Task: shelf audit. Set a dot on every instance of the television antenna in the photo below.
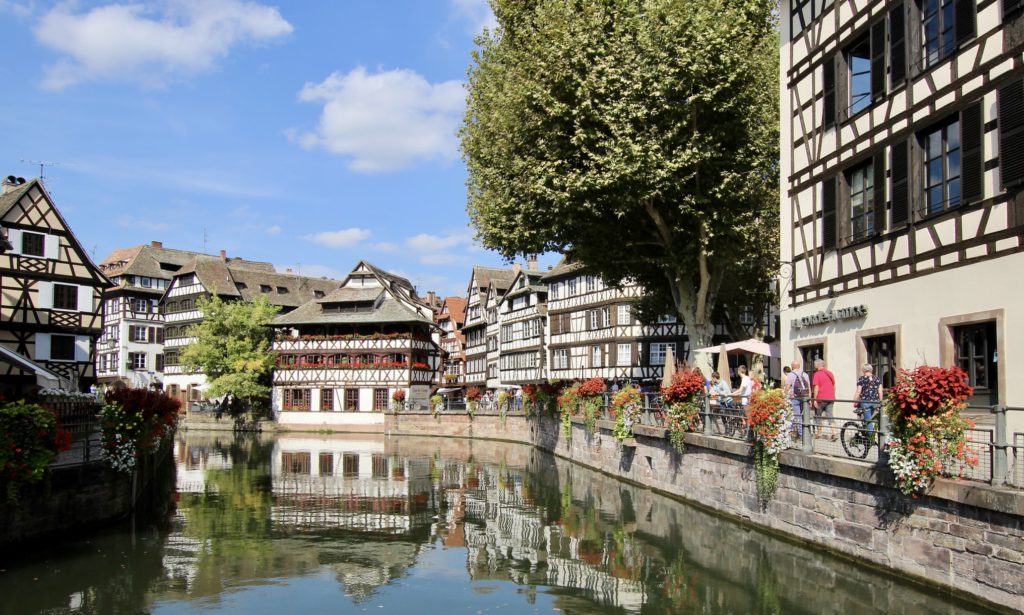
(42, 166)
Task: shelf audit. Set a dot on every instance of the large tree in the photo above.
(638, 136)
(232, 347)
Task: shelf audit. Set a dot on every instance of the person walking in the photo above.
(798, 390)
(824, 384)
(868, 394)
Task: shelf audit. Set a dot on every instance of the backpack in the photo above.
(801, 389)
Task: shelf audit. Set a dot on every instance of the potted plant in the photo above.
(928, 434)
(397, 401)
(473, 395)
(626, 407)
(770, 418)
(683, 400)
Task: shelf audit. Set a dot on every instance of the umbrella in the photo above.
(670, 368)
(751, 346)
(723, 363)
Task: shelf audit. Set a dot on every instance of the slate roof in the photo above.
(501, 278)
(564, 266)
(241, 279)
(8, 199)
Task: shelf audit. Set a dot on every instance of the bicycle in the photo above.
(858, 436)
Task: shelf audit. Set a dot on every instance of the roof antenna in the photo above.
(42, 166)
(204, 240)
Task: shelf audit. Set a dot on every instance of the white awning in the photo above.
(752, 346)
(448, 390)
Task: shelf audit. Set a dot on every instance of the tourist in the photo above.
(868, 393)
(720, 390)
(797, 389)
(824, 384)
(746, 384)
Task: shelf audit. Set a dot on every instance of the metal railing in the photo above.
(82, 422)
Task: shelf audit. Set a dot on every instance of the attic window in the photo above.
(281, 290)
(240, 285)
(265, 288)
(319, 294)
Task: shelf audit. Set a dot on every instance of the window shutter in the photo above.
(828, 211)
(159, 362)
(1010, 7)
(964, 20)
(829, 91)
(879, 185)
(900, 196)
(151, 335)
(971, 169)
(897, 46)
(610, 355)
(878, 60)
(1011, 133)
(131, 333)
(160, 335)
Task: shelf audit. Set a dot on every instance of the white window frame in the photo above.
(624, 354)
(659, 352)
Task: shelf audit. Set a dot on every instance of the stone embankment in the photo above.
(963, 536)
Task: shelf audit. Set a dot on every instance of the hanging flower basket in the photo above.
(683, 400)
(770, 418)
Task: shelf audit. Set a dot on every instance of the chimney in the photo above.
(531, 262)
(223, 255)
(10, 183)
(431, 298)
(156, 244)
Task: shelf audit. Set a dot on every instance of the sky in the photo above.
(310, 134)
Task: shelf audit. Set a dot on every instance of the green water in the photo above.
(362, 524)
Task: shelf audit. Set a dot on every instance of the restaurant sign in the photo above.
(830, 315)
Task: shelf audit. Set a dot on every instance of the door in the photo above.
(881, 354)
(975, 347)
(809, 355)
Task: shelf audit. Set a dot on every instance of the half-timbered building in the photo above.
(131, 349)
(522, 316)
(450, 319)
(594, 331)
(902, 141)
(486, 285)
(342, 357)
(50, 305)
(232, 279)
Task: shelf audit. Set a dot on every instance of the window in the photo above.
(240, 285)
(937, 31)
(265, 288)
(349, 465)
(572, 287)
(658, 352)
(624, 355)
(295, 463)
(975, 346)
(594, 319)
(62, 347)
(380, 400)
(319, 294)
(625, 315)
(138, 334)
(33, 244)
(327, 399)
(379, 466)
(665, 319)
(561, 359)
(281, 290)
(146, 282)
(351, 400)
(941, 171)
(65, 297)
(858, 59)
(137, 360)
(862, 201)
(296, 399)
(555, 290)
(591, 283)
(595, 356)
(141, 306)
(881, 354)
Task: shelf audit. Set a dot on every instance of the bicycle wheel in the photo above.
(855, 441)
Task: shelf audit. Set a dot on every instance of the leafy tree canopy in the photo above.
(638, 136)
(232, 347)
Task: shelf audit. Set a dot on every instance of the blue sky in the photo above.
(308, 134)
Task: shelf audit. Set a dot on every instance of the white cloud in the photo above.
(136, 223)
(18, 9)
(438, 243)
(153, 44)
(477, 13)
(273, 230)
(344, 238)
(385, 246)
(384, 121)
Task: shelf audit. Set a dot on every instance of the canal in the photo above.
(350, 524)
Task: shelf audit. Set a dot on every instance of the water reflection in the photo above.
(325, 524)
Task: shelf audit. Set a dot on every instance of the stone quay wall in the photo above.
(963, 536)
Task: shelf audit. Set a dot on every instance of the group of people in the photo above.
(721, 391)
(817, 393)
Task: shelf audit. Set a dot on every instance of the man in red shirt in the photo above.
(824, 384)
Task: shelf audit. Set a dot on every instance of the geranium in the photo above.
(397, 400)
(472, 400)
(770, 418)
(133, 422)
(569, 405)
(626, 406)
(538, 397)
(683, 399)
(30, 438)
(928, 435)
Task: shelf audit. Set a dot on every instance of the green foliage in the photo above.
(29, 440)
(232, 347)
(133, 422)
(641, 136)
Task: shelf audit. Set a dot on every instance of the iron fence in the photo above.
(82, 421)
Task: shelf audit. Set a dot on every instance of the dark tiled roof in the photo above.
(563, 267)
(14, 194)
(501, 278)
(243, 279)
